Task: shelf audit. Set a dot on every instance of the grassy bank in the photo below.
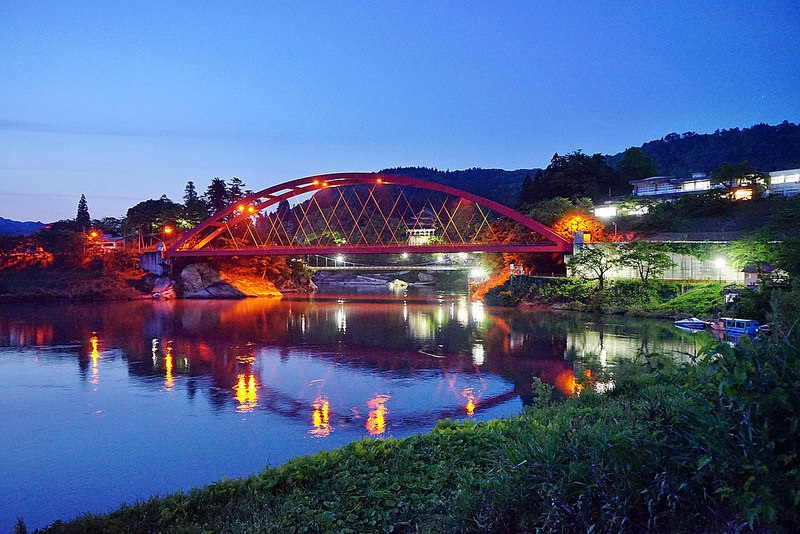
(652, 299)
(671, 448)
(101, 277)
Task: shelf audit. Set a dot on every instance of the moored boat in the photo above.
(736, 327)
(692, 323)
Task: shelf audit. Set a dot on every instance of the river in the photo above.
(111, 402)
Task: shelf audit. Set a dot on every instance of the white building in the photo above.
(670, 187)
(784, 183)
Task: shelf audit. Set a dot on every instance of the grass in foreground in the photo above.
(710, 447)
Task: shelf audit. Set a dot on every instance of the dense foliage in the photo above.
(767, 148)
(653, 298)
(708, 447)
(495, 184)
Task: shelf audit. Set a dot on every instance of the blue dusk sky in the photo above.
(126, 101)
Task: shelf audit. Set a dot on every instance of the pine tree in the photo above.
(235, 190)
(217, 195)
(195, 209)
(83, 218)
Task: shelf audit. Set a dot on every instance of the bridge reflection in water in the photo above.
(203, 390)
(295, 358)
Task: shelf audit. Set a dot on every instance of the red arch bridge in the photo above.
(365, 213)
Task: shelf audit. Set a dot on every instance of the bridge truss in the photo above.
(365, 213)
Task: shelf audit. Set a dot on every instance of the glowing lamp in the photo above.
(167, 229)
(251, 209)
(93, 234)
(240, 207)
(605, 212)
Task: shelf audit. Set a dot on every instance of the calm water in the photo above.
(112, 402)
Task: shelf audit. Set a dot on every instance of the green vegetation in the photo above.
(110, 276)
(652, 298)
(706, 447)
(766, 147)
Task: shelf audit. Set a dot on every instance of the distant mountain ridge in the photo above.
(767, 148)
(495, 184)
(11, 227)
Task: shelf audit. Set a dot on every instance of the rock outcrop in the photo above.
(201, 281)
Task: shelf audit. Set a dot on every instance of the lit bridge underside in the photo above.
(365, 213)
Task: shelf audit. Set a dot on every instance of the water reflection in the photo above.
(221, 340)
(376, 422)
(95, 355)
(285, 377)
(246, 393)
(469, 394)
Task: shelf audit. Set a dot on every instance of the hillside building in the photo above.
(784, 183)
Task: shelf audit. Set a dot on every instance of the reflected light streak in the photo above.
(478, 313)
(567, 384)
(462, 312)
(376, 422)
(95, 356)
(320, 418)
(341, 320)
(478, 354)
(470, 395)
(168, 380)
(246, 393)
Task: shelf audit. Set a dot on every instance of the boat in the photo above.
(692, 323)
(736, 327)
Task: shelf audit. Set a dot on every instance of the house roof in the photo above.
(763, 268)
(652, 179)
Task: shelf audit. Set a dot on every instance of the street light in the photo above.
(720, 263)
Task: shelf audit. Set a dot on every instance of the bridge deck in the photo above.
(394, 268)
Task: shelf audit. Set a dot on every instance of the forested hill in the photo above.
(767, 148)
(9, 227)
(494, 184)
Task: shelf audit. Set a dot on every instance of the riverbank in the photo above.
(670, 448)
(108, 277)
(117, 276)
(657, 299)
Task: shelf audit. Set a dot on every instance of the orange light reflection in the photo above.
(320, 418)
(376, 422)
(95, 356)
(567, 384)
(168, 380)
(246, 393)
(470, 395)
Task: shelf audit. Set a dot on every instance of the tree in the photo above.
(636, 165)
(83, 218)
(549, 212)
(527, 193)
(152, 216)
(110, 225)
(195, 209)
(217, 195)
(646, 258)
(741, 174)
(594, 262)
(235, 190)
(574, 175)
(575, 221)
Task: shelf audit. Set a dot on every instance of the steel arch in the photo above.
(270, 196)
